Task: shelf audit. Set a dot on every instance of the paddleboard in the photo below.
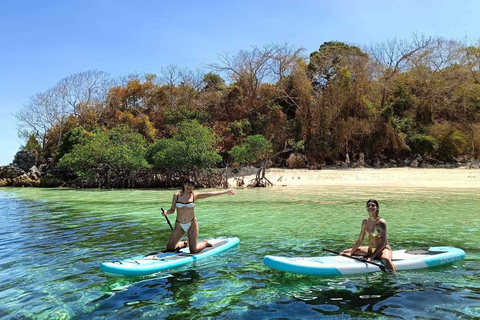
(152, 263)
(338, 265)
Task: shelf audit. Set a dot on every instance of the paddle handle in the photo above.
(361, 260)
(168, 221)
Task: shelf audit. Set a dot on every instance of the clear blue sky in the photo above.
(42, 42)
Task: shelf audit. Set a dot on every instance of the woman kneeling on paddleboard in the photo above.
(184, 203)
(376, 229)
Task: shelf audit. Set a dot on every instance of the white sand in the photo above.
(391, 177)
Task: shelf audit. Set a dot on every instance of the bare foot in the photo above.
(207, 244)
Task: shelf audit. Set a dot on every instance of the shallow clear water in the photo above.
(52, 242)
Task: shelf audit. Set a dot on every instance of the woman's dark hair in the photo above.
(376, 203)
(189, 180)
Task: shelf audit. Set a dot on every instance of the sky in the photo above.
(42, 42)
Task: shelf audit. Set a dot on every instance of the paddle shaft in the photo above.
(361, 260)
(167, 219)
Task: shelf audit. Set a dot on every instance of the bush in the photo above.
(451, 142)
(296, 161)
(421, 144)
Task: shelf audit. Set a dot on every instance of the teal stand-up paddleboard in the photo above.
(339, 265)
(143, 265)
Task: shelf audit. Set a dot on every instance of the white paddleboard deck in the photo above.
(338, 265)
(156, 262)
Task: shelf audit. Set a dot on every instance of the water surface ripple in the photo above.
(52, 242)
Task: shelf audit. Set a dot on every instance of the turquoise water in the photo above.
(52, 242)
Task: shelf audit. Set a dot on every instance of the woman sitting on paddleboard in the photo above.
(376, 229)
(184, 202)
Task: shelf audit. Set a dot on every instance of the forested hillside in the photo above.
(390, 101)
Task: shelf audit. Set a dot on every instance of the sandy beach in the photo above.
(387, 177)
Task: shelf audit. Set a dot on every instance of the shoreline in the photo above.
(366, 177)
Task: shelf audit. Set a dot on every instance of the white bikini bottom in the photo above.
(186, 226)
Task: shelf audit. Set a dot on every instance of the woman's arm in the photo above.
(361, 236)
(357, 244)
(172, 208)
(382, 243)
(199, 196)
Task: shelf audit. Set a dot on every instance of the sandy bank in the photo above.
(391, 177)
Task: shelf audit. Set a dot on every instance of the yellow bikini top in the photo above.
(375, 233)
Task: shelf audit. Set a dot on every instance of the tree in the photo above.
(71, 139)
(472, 61)
(110, 157)
(87, 87)
(213, 82)
(250, 69)
(255, 149)
(192, 148)
(53, 107)
(38, 116)
(394, 56)
(33, 145)
(331, 58)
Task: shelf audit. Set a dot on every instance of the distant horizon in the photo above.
(49, 41)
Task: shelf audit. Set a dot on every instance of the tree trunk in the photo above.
(260, 180)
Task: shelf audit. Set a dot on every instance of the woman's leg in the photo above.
(361, 251)
(387, 259)
(177, 234)
(193, 244)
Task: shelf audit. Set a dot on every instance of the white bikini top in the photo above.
(185, 205)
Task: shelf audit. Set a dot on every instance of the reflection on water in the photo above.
(53, 241)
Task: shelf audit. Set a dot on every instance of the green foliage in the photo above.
(386, 113)
(113, 152)
(182, 113)
(70, 139)
(213, 82)
(422, 144)
(240, 128)
(32, 144)
(296, 146)
(400, 100)
(342, 101)
(404, 125)
(255, 149)
(192, 148)
(333, 56)
(450, 141)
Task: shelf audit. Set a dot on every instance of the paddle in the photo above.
(361, 260)
(167, 219)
